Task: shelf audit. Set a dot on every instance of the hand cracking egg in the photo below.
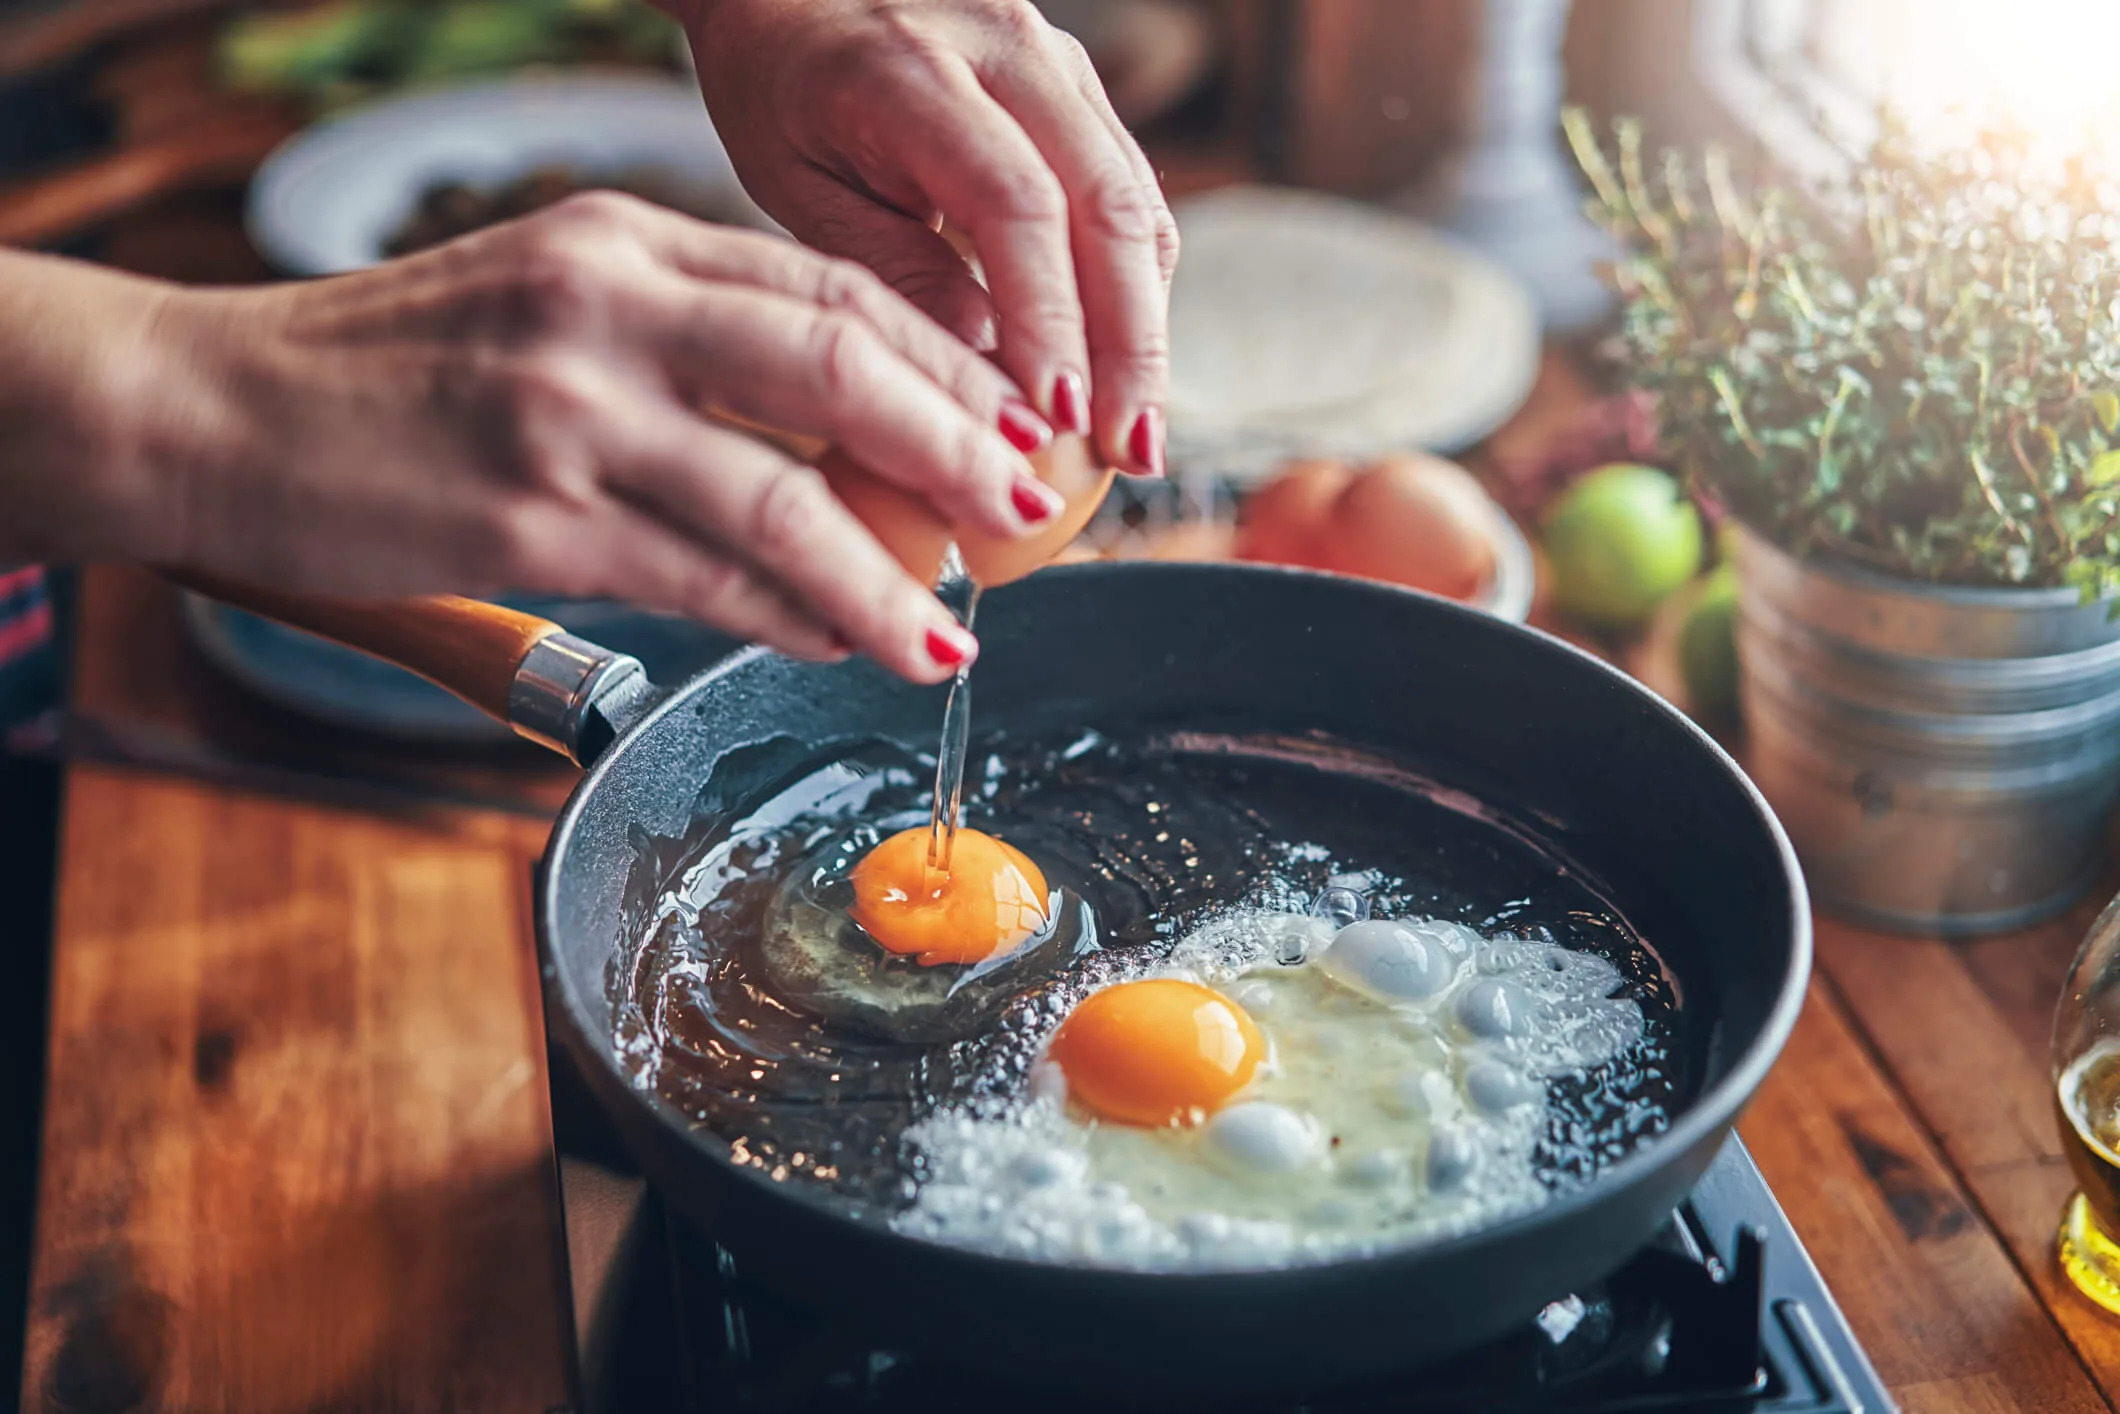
(1250, 1103)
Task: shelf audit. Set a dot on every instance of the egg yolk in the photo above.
(991, 901)
(1157, 1052)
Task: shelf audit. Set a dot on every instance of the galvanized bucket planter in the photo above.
(1945, 759)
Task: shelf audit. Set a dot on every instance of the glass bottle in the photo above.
(2087, 1109)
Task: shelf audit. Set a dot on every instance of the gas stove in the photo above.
(1723, 1311)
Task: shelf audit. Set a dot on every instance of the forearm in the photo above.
(86, 393)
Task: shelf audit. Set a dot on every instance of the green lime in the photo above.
(1619, 540)
(1707, 645)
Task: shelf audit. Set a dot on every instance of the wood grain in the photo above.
(297, 1142)
(1964, 1029)
(1932, 1294)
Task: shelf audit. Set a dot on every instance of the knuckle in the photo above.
(1168, 244)
(789, 512)
(844, 285)
(599, 210)
(1018, 20)
(1074, 55)
(546, 392)
(844, 352)
(1118, 208)
(557, 285)
(907, 37)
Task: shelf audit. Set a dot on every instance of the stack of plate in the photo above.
(1307, 325)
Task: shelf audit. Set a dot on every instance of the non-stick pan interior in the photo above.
(1615, 780)
(1618, 782)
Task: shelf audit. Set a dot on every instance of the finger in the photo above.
(792, 530)
(620, 553)
(913, 251)
(988, 179)
(910, 257)
(806, 368)
(1091, 87)
(1114, 220)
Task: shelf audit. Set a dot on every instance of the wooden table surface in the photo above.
(298, 1149)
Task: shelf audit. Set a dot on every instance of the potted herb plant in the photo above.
(1904, 386)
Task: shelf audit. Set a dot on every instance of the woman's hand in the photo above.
(518, 409)
(860, 124)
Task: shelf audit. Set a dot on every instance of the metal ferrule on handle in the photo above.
(569, 694)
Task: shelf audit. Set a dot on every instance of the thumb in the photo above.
(911, 258)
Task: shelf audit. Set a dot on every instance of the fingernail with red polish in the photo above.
(951, 647)
(1034, 500)
(1145, 443)
(1070, 404)
(1025, 430)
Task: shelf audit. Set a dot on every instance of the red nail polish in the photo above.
(1025, 430)
(1070, 404)
(950, 650)
(1145, 442)
(1032, 502)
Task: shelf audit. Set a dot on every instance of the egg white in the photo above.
(1403, 1096)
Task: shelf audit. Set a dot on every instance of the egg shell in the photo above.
(1283, 521)
(1412, 520)
(917, 536)
(1071, 468)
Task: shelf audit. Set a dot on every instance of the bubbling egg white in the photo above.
(1402, 1096)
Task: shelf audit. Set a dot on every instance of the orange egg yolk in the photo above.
(991, 901)
(1157, 1052)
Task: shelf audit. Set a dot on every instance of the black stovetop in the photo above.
(1724, 1311)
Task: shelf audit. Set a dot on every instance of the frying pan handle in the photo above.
(560, 691)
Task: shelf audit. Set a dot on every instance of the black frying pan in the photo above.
(1617, 778)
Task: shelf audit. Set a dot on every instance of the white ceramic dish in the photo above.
(328, 198)
(1309, 325)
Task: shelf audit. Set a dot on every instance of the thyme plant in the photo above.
(1915, 368)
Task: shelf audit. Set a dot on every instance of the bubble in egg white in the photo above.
(1264, 1138)
(1434, 1097)
(1493, 1008)
(1495, 1088)
(1451, 1157)
(1388, 961)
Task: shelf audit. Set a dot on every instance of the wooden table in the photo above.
(298, 1153)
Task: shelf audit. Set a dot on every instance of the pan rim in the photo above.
(1711, 1113)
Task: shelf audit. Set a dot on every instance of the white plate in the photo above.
(1309, 325)
(328, 198)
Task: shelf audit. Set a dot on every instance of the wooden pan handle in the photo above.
(467, 647)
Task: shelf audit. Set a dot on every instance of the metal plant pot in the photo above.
(1945, 759)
